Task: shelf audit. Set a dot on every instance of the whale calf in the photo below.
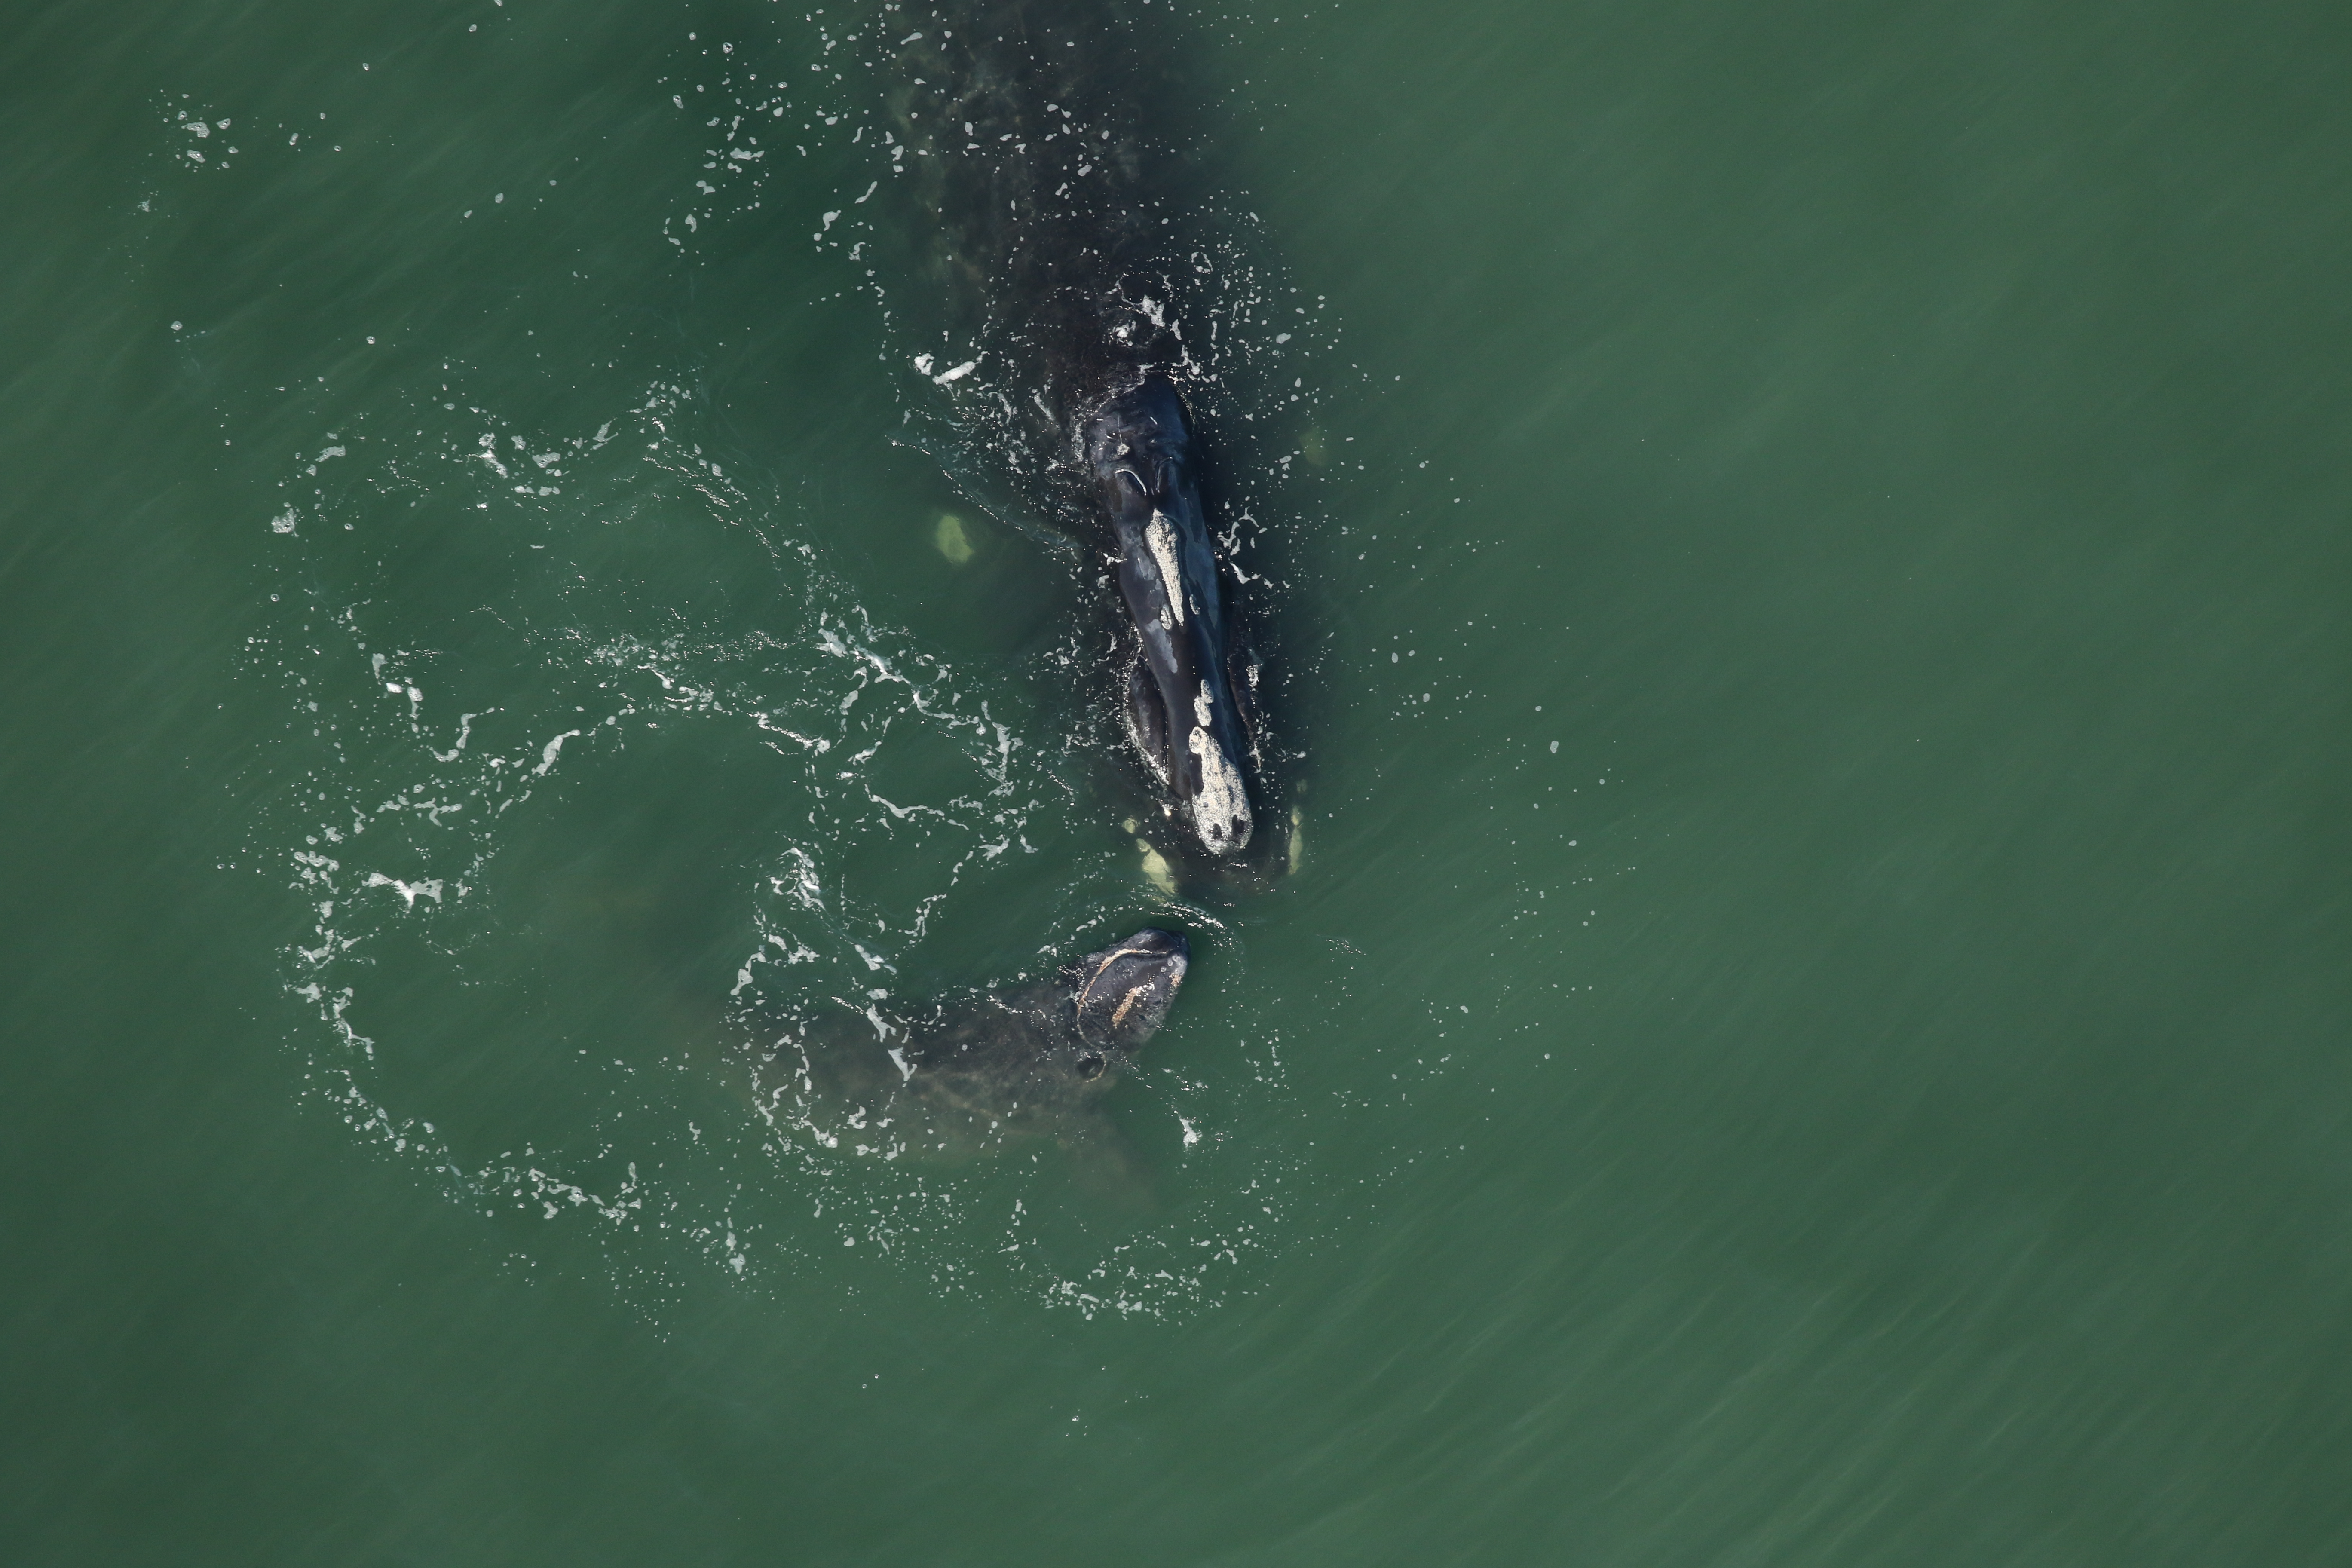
(1030, 1060)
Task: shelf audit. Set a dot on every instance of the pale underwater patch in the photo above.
(952, 538)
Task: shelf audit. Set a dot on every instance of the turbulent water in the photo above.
(1799, 558)
(487, 636)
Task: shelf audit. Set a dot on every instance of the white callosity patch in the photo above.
(1221, 811)
(1160, 534)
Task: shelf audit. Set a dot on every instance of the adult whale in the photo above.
(1045, 140)
(1183, 707)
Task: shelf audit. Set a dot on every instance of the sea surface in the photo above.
(1806, 555)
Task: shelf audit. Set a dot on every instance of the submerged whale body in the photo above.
(1045, 142)
(1029, 1061)
(1040, 138)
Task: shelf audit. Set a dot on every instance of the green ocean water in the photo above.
(1811, 1026)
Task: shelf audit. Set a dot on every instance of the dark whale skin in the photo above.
(1047, 143)
(1182, 712)
(1056, 279)
(1033, 1061)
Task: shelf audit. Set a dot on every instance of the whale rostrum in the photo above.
(1183, 714)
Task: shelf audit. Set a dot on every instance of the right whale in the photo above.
(1022, 1061)
(1184, 695)
(1051, 142)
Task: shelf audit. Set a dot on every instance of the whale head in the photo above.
(1120, 996)
(1183, 711)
